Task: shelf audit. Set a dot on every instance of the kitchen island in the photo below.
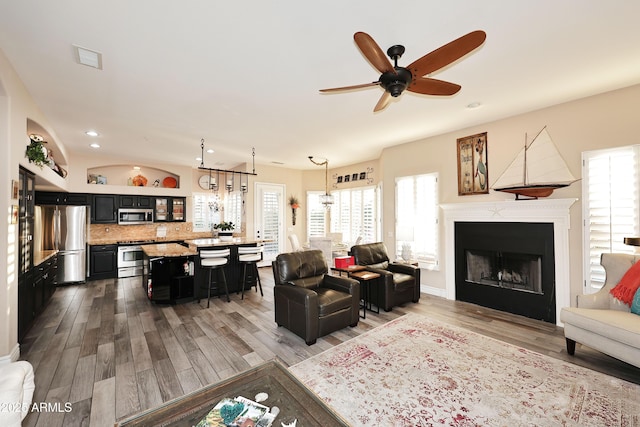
(233, 270)
(173, 282)
(169, 276)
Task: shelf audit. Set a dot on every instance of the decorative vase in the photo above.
(406, 252)
(225, 236)
(293, 216)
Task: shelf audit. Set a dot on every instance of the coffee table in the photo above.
(284, 390)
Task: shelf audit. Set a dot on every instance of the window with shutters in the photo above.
(233, 209)
(354, 214)
(210, 209)
(417, 218)
(207, 210)
(611, 208)
(316, 215)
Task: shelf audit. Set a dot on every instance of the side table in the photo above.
(367, 279)
(348, 269)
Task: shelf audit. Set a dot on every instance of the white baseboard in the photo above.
(438, 292)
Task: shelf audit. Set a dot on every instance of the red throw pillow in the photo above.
(628, 285)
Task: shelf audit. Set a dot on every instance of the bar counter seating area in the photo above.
(174, 272)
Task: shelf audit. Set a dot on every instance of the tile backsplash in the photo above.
(111, 233)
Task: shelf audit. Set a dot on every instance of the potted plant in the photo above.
(293, 202)
(36, 153)
(225, 230)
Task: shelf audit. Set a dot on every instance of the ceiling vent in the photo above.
(88, 57)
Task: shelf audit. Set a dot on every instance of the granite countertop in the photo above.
(168, 250)
(41, 256)
(198, 243)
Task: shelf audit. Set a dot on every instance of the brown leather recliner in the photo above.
(400, 283)
(310, 302)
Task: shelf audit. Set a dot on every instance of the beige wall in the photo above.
(602, 121)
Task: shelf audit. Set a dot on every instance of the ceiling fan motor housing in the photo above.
(395, 84)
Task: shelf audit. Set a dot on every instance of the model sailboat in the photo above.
(536, 171)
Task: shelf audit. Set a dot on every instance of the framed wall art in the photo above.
(473, 170)
(14, 189)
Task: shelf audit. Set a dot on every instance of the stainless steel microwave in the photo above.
(129, 216)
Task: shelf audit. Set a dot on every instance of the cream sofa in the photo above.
(602, 322)
(16, 391)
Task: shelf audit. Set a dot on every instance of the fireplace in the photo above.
(554, 213)
(508, 266)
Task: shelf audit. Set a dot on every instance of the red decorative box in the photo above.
(344, 261)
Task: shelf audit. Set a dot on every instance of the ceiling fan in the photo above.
(395, 79)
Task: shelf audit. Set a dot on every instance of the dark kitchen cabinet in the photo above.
(130, 201)
(169, 209)
(103, 262)
(26, 312)
(26, 199)
(104, 209)
(57, 198)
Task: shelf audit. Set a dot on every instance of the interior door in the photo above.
(269, 219)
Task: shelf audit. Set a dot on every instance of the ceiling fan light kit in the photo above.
(395, 79)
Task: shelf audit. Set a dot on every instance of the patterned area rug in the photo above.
(416, 371)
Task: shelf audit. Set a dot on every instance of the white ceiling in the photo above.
(246, 74)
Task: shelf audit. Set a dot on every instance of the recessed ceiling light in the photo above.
(136, 168)
(95, 145)
(198, 159)
(210, 151)
(474, 105)
(92, 133)
(88, 57)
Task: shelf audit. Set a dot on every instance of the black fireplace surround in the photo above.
(513, 267)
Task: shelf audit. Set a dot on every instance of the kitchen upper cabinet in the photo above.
(56, 198)
(103, 261)
(142, 202)
(169, 209)
(104, 209)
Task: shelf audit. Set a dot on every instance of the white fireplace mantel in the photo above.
(554, 211)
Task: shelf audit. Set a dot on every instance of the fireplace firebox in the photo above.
(508, 266)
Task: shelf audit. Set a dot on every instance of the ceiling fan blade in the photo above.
(373, 53)
(428, 86)
(382, 102)
(447, 54)
(339, 89)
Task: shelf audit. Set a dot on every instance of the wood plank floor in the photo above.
(103, 347)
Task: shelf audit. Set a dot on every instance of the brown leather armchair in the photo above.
(400, 283)
(310, 302)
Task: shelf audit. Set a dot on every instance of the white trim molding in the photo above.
(554, 211)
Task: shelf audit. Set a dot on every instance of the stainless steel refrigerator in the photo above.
(64, 228)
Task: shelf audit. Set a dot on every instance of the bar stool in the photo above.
(215, 260)
(249, 256)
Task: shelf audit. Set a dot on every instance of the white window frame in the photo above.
(417, 218)
(346, 219)
(610, 208)
(316, 215)
(211, 208)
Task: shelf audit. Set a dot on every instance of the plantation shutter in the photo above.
(206, 211)
(417, 217)
(316, 214)
(354, 214)
(610, 189)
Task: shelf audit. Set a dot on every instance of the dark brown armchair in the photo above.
(400, 283)
(310, 302)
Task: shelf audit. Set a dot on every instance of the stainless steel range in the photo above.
(131, 258)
